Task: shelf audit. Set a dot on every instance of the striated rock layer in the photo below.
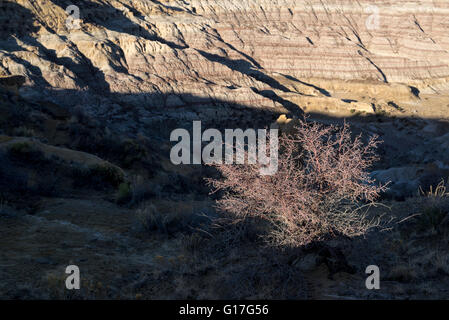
(204, 58)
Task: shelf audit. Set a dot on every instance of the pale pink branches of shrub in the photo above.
(319, 190)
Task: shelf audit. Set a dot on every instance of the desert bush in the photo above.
(23, 131)
(192, 243)
(152, 219)
(99, 176)
(435, 209)
(20, 148)
(100, 141)
(131, 152)
(436, 193)
(26, 152)
(170, 219)
(108, 173)
(402, 273)
(319, 191)
(133, 192)
(123, 193)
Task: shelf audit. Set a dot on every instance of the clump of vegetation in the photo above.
(435, 213)
(108, 173)
(23, 131)
(99, 176)
(25, 151)
(123, 193)
(26, 173)
(319, 191)
(152, 219)
(100, 141)
(192, 243)
(169, 219)
(403, 273)
(134, 192)
(131, 152)
(20, 148)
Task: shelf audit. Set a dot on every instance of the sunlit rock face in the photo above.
(198, 58)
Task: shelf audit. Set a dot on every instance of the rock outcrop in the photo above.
(205, 56)
(136, 66)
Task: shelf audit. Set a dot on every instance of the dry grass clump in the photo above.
(402, 273)
(169, 219)
(435, 211)
(439, 192)
(319, 191)
(151, 218)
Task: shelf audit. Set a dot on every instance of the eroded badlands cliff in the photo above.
(201, 57)
(86, 108)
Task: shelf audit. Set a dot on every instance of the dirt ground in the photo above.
(123, 255)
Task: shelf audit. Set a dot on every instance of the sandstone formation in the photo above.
(140, 65)
(197, 59)
(88, 102)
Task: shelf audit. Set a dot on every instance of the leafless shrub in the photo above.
(319, 191)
